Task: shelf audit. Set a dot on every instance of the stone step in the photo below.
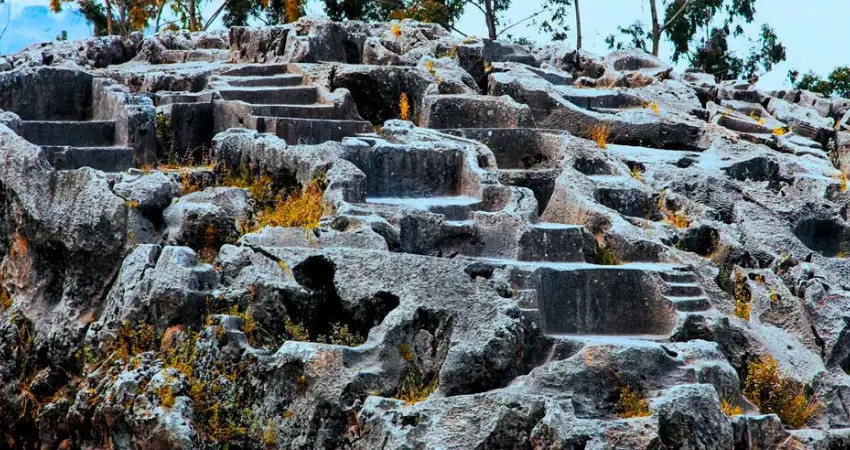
(678, 277)
(553, 243)
(311, 131)
(457, 209)
(282, 80)
(298, 95)
(314, 111)
(256, 70)
(690, 304)
(107, 159)
(684, 290)
(69, 133)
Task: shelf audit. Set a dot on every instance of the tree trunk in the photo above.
(578, 26)
(159, 9)
(122, 15)
(108, 18)
(656, 28)
(490, 16)
(192, 24)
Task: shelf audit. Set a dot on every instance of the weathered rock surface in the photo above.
(230, 240)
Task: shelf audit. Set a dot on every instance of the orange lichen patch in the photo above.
(396, 30)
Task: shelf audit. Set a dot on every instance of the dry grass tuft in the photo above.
(600, 134)
(729, 408)
(774, 393)
(743, 296)
(654, 107)
(300, 208)
(632, 403)
(415, 388)
(574, 214)
(678, 219)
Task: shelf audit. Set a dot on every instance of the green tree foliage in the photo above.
(443, 12)
(270, 12)
(635, 34)
(837, 83)
(700, 31)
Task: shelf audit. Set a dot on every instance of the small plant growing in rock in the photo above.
(295, 331)
(429, 67)
(404, 107)
(632, 403)
(729, 408)
(600, 134)
(415, 387)
(396, 30)
(842, 180)
(637, 174)
(606, 256)
(742, 297)
(301, 208)
(654, 107)
(5, 299)
(269, 435)
(758, 119)
(188, 184)
(451, 53)
(166, 396)
(676, 218)
(488, 66)
(782, 131)
(341, 335)
(470, 40)
(775, 393)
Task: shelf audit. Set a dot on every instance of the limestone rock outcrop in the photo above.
(378, 235)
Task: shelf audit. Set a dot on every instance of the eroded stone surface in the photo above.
(544, 232)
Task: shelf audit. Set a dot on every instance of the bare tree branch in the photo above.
(675, 16)
(459, 32)
(215, 15)
(521, 21)
(8, 19)
(479, 7)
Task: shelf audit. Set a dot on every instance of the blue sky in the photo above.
(813, 34)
